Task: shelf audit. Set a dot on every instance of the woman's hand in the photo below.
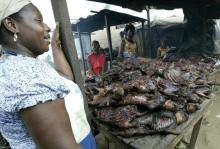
(55, 41)
(60, 61)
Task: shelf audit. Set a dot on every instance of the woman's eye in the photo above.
(38, 20)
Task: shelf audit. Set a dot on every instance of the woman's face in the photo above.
(95, 47)
(33, 33)
(130, 34)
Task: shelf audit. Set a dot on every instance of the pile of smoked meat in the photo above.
(140, 96)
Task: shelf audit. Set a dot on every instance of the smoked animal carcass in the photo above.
(151, 101)
(120, 116)
(152, 123)
(146, 97)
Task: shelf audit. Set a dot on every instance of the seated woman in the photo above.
(39, 108)
(162, 50)
(128, 46)
(96, 60)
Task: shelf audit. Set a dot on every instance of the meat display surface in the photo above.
(144, 96)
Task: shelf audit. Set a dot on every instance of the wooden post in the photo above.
(82, 51)
(61, 15)
(143, 39)
(149, 32)
(204, 31)
(109, 38)
(90, 38)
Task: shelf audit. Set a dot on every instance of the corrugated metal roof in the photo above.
(212, 6)
(97, 21)
(139, 5)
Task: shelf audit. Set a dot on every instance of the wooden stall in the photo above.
(210, 9)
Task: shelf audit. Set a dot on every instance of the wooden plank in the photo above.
(160, 141)
(61, 15)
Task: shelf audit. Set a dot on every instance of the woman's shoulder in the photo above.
(91, 54)
(25, 64)
(26, 81)
(25, 69)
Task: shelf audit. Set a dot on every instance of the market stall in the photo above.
(100, 20)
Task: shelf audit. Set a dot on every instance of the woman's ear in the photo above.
(11, 25)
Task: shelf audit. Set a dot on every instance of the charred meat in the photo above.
(150, 101)
(120, 116)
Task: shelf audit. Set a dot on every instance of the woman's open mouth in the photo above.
(47, 39)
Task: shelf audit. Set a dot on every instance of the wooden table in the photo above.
(161, 141)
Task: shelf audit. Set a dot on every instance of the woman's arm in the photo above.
(90, 72)
(122, 48)
(49, 125)
(105, 65)
(158, 52)
(60, 62)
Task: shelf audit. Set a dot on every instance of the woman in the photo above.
(128, 47)
(96, 60)
(162, 50)
(35, 110)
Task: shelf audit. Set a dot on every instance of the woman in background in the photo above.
(128, 48)
(162, 50)
(96, 60)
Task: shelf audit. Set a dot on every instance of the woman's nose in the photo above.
(47, 28)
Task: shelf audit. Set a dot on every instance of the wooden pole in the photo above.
(149, 32)
(143, 40)
(90, 38)
(61, 15)
(204, 31)
(82, 51)
(109, 38)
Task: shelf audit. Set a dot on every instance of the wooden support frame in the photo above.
(204, 29)
(61, 15)
(149, 53)
(82, 51)
(143, 38)
(109, 38)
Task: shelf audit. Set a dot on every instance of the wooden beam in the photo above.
(204, 30)
(82, 51)
(149, 33)
(109, 38)
(61, 15)
(143, 39)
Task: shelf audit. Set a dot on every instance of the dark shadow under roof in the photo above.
(97, 21)
(212, 6)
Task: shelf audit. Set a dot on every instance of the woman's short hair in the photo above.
(129, 27)
(95, 41)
